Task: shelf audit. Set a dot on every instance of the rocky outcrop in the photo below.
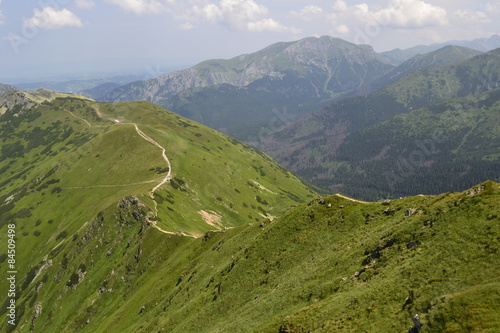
(5, 87)
(16, 98)
(417, 327)
(36, 313)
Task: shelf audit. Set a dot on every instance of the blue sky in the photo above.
(83, 37)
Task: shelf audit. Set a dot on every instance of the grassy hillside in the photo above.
(330, 265)
(448, 55)
(65, 160)
(452, 145)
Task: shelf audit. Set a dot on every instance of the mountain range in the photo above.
(447, 55)
(5, 87)
(298, 101)
(127, 217)
(251, 95)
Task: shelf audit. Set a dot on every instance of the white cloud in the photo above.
(141, 6)
(85, 4)
(187, 26)
(308, 13)
(245, 15)
(395, 14)
(343, 29)
(411, 14)
(212, 13)
(266, 25)
(340, 6)
(50, 18)
(235, 13)
(492, 8)
(475, 17)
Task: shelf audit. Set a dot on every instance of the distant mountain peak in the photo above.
(447, 55)
(398, 56)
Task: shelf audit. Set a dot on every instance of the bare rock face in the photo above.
(15, 98)
(5, 87)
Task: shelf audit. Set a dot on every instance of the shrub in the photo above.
(62, 234)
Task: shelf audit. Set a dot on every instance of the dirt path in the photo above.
(153, 223)
(163, 153)
(109, 186)
(78, 117)
(351, 199)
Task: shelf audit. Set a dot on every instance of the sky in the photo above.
(53, 38)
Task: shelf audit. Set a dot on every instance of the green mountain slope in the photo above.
(446, 146)
(248, 113)
(448, 55)
(100, 149)
(310, 145)
(333, 265)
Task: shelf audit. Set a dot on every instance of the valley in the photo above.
(319, 147)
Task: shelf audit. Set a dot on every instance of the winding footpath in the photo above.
(163, 153)
(74, 115)
(165, 180)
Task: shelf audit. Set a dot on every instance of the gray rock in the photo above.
(417, 327)
(410, 211)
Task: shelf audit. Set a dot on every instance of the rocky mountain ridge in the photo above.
(309, 56)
